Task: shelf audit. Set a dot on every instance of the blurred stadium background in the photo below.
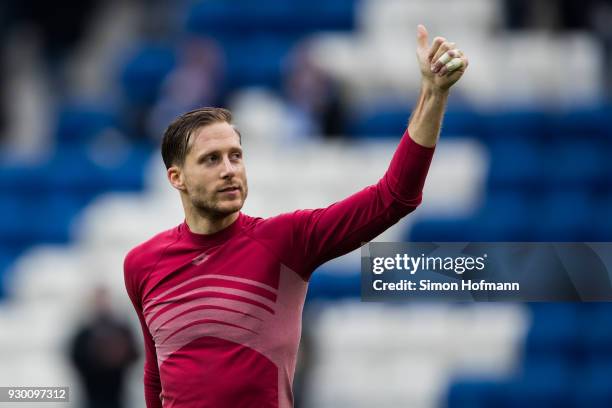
(321, 90)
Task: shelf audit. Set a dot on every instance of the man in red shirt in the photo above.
(220, 296)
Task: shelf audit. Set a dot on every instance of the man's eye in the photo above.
(211, 159)
(236, 156)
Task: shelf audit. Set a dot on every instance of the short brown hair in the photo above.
(175, 144)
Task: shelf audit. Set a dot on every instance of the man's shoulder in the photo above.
(256, 224)
(148, 251)
(280, 227)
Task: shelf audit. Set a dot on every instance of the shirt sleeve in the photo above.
(152, 383)
(326, 233)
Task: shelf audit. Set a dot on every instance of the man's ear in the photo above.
(176, 178)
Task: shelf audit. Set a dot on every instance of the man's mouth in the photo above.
(229, 188)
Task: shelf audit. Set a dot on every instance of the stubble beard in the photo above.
(208, 205)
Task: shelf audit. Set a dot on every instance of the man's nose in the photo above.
(228, 168)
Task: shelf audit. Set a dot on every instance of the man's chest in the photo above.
(228, 289)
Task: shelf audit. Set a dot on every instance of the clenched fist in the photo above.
(441, 63)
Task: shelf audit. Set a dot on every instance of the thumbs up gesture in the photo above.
(441, 63)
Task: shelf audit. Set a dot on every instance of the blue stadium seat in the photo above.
(576, 163)
(563, 216)
(53, 223)
(256, 60)
(477, 229)
(463, 122)
(244, 17)
(376, 122)
(328, 15)
(22, 177)
(516, 163)
(257, 36)
(531, 124)
(70, 169)
(6, 259)
(35, 219)
(595, 335)
(593, 387)
(79, 122)
(381, 121)
(487, 225)
(474, 393)
(444, 230)
(119, 168)
(144, 72)
(589, 122)
(601, 218)
(506, 216)
(553, 332)
(128, 173)
(14, 216)
(333, 284)
(542, 382)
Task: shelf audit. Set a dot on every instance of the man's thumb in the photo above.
(422, 37)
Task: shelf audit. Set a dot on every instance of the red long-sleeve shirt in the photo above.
(221, 313)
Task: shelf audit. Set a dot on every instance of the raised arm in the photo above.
(325, 233)
(441, 65)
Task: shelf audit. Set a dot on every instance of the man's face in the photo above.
(213, 174)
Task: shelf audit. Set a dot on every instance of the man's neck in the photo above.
(207, 225)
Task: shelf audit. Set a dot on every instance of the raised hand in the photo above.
(441, 63)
